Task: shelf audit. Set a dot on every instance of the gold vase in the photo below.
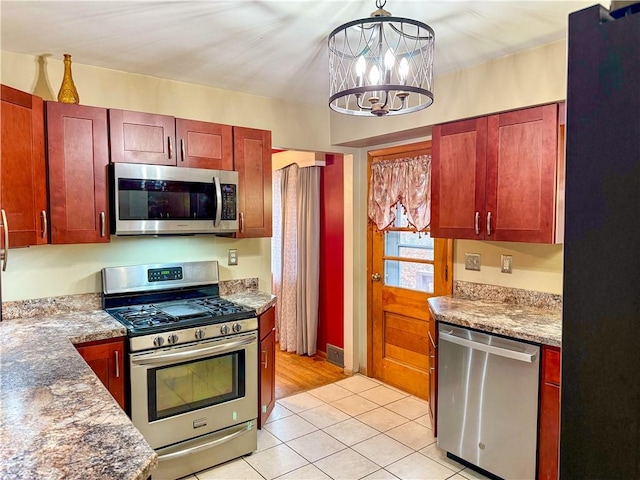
(68, 92)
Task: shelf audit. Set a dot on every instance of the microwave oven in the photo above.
(163, 200)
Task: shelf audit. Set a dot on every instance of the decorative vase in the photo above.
(68, 92)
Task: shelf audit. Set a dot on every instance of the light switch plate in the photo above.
(472, 261)
(506, 263)
(232, 256)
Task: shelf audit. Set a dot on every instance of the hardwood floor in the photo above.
(298, 373)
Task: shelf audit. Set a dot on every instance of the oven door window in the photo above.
(195, 384)
(165, 200)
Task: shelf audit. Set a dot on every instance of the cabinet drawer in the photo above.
(267, 322)
(551, 365)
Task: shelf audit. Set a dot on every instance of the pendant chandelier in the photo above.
(381, 65)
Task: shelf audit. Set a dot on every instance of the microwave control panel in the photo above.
(229, 201)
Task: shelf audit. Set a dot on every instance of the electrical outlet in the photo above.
(506, 263)
(233, 256)
(472, 261)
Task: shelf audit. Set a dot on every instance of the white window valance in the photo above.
(404, 180)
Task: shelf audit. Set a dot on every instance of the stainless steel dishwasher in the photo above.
(488, 401)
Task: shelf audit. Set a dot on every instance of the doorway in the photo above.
(405, 268)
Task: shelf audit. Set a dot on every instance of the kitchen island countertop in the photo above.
(535, 324)
(58, 420)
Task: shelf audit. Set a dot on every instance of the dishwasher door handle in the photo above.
(502, 352)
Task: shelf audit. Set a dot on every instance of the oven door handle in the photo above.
(163, 358)
(188, 451)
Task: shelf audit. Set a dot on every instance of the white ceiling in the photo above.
(275, 48)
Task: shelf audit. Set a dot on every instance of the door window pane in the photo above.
(410, 275)
(412, 266)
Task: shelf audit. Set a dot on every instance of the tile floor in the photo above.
(356, 428)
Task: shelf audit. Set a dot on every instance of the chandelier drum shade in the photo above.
(381, 65)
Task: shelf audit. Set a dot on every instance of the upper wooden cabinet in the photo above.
(22, 161)
(138, 137)
(78, 155)
(498, 177)
(252, 160)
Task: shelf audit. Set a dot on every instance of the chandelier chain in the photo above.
(380, 3)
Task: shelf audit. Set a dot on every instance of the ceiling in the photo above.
(273, 48)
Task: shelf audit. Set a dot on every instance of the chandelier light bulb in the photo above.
(374, 75)
(361, 66)
(403, 70)
(389, 60)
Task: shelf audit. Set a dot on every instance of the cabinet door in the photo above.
(78, 155)
(433, 375)
(252, 160)
(24, 176)
(267, 377)
(106, 359)
(458, 179)
(204, 145)
(549, 438)
(137, 137)
(521, 175)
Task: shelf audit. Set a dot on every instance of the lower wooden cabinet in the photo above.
(433, 374)
(106, 359)
(267, 366)
(549, 437)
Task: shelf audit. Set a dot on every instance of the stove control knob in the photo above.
(199, 334)
(172, 339)
(158, 341)
(224, 329)
(237, 327)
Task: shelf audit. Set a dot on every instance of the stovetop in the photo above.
(170, 315)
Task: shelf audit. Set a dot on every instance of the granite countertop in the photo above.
(535, 324)
(57, 419)
(260, 301)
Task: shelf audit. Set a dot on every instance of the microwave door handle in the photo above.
(216, 182)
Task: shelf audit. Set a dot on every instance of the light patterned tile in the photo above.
(300, 402)
(382, 395)
(346, 465)
(278, 412)
(230, 471)
(382, 450)
(324, 416)
(381, 474)
(382, 419)
(357, 383)
(440, 456)
(351, 431)
(308, 472)
(424, 420)
(354, 405)
(316, 445)
(289, 428)
(418, 467)
(190, 477)
(413, 435)
(409, 407)
(472, 474)
(266, 440)
(330, 392)
(275, 461)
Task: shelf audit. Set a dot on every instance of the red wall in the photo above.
(331, 302)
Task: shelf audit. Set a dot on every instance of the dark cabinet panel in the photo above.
(267, 367)
(106, 359)
(137, 137)
(78, 155)
(204, 144)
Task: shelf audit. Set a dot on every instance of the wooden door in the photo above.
(522, 148)
(405, 268)
(78, 155)
(204, 144)
(24, 176)
(252, 160)
(267, 367)
(433, 375)
(458, 179)
(137, 137)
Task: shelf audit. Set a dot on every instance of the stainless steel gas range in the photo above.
(193, 360)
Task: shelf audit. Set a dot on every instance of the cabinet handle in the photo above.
(477, 223)
(170, 147)
(43, 213)
(117, 364)
(488, 224)
(5, 255)
(102, 223)
(182, 149)
(266, 358)
(241, 222)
